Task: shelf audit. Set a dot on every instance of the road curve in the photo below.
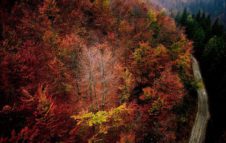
(199, 128)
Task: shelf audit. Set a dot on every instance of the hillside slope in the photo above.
(93, 71)
(215, 8)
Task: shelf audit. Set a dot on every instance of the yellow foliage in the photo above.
(198, 84)
(161, 50)
(93, 119)
(140, 52)
(68, 87)
(103, 121)
(156, 106)
(152, 16)
(106, 4)
(126, 87)
(102, 4)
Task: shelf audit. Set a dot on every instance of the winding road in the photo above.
(199, 128)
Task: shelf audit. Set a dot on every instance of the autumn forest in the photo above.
(95, 71)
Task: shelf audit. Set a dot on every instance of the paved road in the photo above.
(199, 128)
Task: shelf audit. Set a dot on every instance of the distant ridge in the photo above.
(216, 8)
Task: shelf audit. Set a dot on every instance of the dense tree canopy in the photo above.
(91, 71)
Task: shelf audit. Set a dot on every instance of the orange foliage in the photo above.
(66, 57)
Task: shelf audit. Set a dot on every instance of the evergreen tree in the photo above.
(198, 16)
(217, 28)
(184, 17)
(214, 53)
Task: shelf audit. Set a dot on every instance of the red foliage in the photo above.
(65, 57)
